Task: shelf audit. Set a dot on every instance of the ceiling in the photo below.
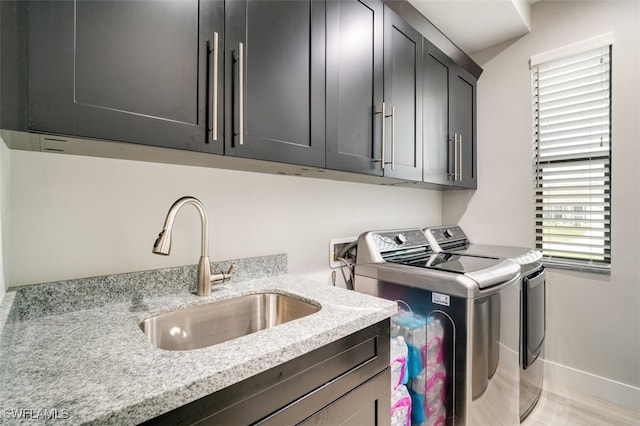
(477, 24)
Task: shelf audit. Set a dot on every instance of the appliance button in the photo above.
(448, 233)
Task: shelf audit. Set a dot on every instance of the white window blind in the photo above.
(572, 137)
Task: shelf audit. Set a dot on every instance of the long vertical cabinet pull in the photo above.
(460, 158)
(214, 89)
(393, 137)
(239, 59)
(453, 141)
(383, 130)
(241, 92)
(455, 157)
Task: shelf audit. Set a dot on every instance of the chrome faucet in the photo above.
(163, 246)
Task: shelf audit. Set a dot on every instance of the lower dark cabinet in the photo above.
(339, 383)
(365, 405)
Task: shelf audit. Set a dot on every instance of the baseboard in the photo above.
(600, 387)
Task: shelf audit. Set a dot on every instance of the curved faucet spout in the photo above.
(163, 242)
(162, 245)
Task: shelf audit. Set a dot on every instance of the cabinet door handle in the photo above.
(214, 89)
(240, 60)
(455, 157)
(393, 137)
(383, 117)
(454, 141)
(450, 174)
(460, 157)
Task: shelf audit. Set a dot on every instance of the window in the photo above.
(572, 140)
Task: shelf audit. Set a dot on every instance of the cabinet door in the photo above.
(462, 90)
(438, 150)
(353, 369)
(369, 404)
(449, 121)
(354, 85)
(129, 71)
(403, 98)
(275, 81)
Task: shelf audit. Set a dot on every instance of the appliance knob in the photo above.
(448, 233)
(400, 239)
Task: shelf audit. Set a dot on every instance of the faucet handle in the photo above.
(230, 271)
(222, 277)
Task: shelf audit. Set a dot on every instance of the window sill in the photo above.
(594, 269)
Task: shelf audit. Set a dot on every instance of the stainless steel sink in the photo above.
(206, 325)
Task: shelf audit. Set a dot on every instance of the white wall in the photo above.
(593, 335)
(77, 216)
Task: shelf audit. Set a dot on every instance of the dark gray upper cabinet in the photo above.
(349, 85)
(129, 71)
(275, 81)
(449, 121)
(436, 117)
(403, 98)
(13, 65)
(462, 122)
(354, 65)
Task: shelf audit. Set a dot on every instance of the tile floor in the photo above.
(560, 406)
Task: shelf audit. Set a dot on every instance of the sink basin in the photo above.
(200, 326)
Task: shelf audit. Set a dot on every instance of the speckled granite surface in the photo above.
(91, 363)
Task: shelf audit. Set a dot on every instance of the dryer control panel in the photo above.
(446, 237)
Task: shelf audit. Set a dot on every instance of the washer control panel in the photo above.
(394, 240)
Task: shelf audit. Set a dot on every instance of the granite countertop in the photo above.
(72, 351)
